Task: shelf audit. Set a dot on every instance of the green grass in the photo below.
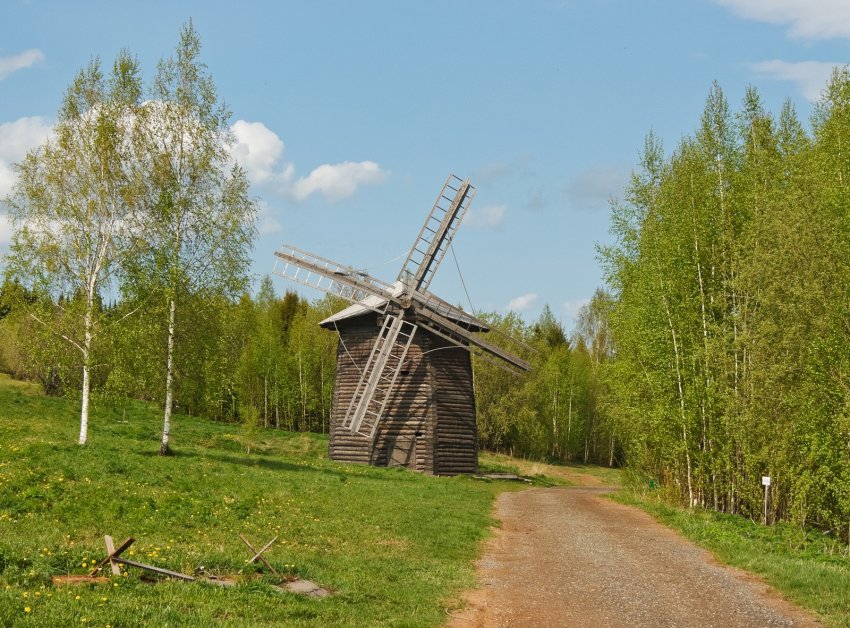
(550, 474)
(806, 567)
(395, 547)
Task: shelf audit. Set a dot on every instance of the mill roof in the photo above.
(372, 303)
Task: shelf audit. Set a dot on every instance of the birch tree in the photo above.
(72, 206)
(199, 222)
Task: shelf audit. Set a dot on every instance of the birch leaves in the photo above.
(130, 197)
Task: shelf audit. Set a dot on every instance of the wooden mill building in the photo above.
(429, 422)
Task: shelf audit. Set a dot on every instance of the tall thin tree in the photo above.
(200, 218)
(73, 204)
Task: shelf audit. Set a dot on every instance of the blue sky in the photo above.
(350, 115)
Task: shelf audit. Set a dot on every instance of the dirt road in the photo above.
(571, 557)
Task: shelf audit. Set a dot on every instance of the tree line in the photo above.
(261, 360)
(557, 411)
(730, 314)
(264, 360)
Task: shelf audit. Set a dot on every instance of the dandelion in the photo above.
(27, 609)
(77, 597)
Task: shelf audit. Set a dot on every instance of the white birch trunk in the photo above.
(555, 416)
(266, 400)
(570, 420)
(681, 404)
(169, 380)
(303, 391)
(86, 351)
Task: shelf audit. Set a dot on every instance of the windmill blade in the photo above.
(468, 322)
(436, 234)
(378, 378)
(323, 274)
(437, 324)
(444, 308)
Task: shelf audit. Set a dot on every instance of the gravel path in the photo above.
(571, 557)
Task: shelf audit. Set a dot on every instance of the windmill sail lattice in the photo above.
(405, 306)
(436, 234)
(379, 376)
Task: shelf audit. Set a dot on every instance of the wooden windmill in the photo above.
(403, 394)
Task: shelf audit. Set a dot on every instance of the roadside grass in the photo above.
(544, 474)
(395, 547)
(806, 567)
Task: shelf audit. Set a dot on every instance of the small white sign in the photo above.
(765, 480)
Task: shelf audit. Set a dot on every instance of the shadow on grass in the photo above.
(255, 461)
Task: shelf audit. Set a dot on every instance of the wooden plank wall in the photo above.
(429, 424)
(456, 443)
(405, 436)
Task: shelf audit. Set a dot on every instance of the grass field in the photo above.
(807, 567)
(395, 547)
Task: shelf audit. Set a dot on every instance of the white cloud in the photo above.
(19, 61)
(497, 171)
(594, 187)
(571, 308)
(257, 149)
(338, 181)
(523, 302)
(493, 172)
(5, 230)
(806, 19)
(260, 152)
(267, 221)
(811, 76)
(269, 225)
(488, 217)
(16, 138)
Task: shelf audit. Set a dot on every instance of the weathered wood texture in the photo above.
(429, 423)
(456, 434)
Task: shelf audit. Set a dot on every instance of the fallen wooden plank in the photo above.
(75, 579)
(159, 570)
(110, 548)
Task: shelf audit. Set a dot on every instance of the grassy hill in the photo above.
(395, 547)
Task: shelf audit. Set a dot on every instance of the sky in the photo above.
(349, 115)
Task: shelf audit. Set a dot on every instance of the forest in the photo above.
(264, 360)
(717, 353)
(730, 319)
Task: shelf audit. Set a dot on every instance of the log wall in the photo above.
(456, 435)
(428, 424)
